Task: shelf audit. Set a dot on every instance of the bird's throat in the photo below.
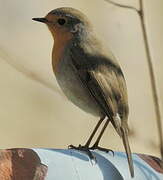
(60, 43)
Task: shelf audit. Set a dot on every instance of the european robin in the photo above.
(90, 78)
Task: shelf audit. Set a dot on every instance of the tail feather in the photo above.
(128, 150)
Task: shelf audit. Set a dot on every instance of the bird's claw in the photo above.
(84, 149)
(101, 149)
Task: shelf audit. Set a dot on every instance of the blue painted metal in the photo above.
(75, 165)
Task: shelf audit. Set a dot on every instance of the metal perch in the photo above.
(60, 164)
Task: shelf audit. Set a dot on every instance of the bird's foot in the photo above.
(101, 149)
(84, 149)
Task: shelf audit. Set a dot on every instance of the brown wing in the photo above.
(104, 80)
(109, 88)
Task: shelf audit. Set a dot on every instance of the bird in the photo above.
(90, 77)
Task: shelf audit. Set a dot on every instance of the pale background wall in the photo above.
(36, 114)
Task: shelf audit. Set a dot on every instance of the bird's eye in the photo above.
(61, 21)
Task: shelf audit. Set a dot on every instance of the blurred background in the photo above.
(33, 110)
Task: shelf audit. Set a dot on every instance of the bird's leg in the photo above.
(96, 146)
(86, 148)
(94, 132)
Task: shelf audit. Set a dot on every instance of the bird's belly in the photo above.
(75, 91)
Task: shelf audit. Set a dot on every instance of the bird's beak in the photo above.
(43, 20)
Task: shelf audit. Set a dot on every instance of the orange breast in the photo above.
(60, 42)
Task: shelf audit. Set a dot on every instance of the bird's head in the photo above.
(66, 21)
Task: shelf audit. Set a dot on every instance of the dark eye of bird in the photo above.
(61, 21)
